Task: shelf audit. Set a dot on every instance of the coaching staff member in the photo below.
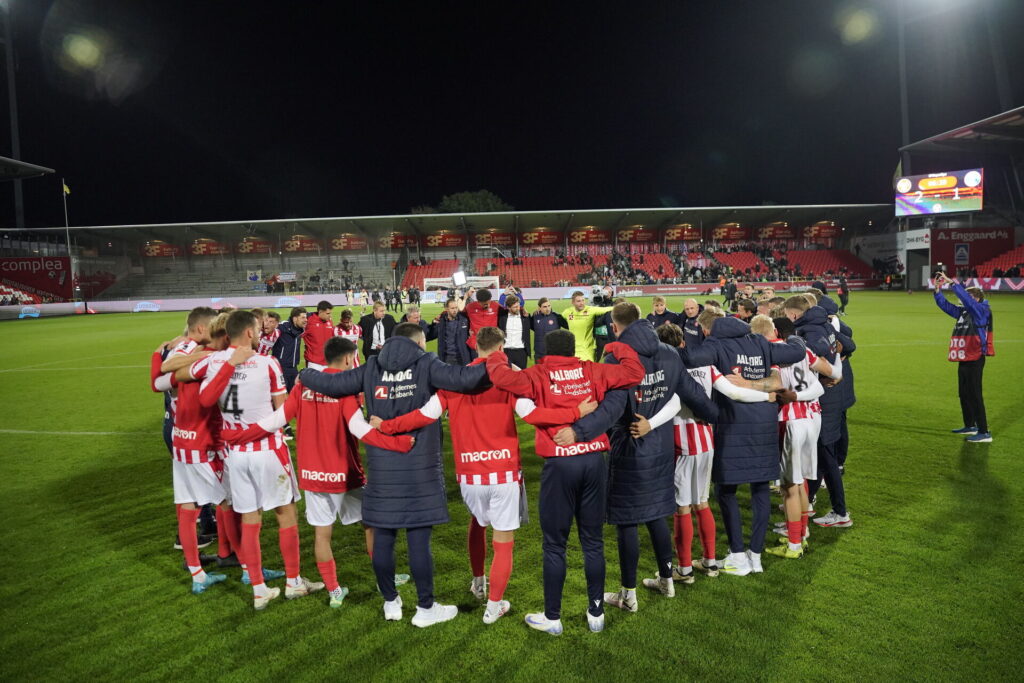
(286, 348)
(377, 328)
(970, 342)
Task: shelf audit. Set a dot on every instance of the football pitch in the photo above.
(926, 585)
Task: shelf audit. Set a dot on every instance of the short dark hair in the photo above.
(560, 343)
(488, 338)
(669, 333)
(324, 306)
(625, 314)
(275, 315)
(784, 327)
(576, 294)
(296, 312)
(483, 295)
(747, 305)
(238, 323)
(338, 347)
(410, 330)
(347, 313)
(200, 315)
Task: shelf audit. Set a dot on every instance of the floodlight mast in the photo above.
(12, 103)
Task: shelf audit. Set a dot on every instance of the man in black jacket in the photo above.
(414, 316)
(377, 328)
(514, 322)
(286, 348)
(542, 321)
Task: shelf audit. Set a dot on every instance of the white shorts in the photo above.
(224, 479)
(198, 483)
(323, 509)
(693, 478)
(495, 505)
(315, 366)
(800, 450)
(260, 481)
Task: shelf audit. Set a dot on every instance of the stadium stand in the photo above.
(740, 261)
(821, 261)
(14, 296)
(1002, 263)
(442, 268)
(539, 269)
(648, 263)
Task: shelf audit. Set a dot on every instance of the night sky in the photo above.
(159, 111)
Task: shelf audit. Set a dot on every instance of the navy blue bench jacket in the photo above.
(403, 490)
(746, 434)
(641, 471)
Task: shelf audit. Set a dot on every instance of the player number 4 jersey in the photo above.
(247, 398)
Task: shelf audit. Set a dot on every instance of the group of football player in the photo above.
(676, 402)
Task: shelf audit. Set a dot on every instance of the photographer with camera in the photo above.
(970, 342)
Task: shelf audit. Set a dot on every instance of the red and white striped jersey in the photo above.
(694, 436)
(799, 377)
(267, 342)
(247, 398)
(354, 334)
(183, 349)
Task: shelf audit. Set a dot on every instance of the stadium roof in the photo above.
(510, 221)
(12, 169)
(999, 134)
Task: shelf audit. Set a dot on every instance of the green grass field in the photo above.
(925, 586)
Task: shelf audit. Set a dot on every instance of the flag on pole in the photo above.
(67, 190)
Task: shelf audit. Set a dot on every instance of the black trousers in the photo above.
(972, 403)
(760, 504)
(843, 300)
(628, 537)
(421, 563)
(573, 488)
(290, 375)
(828, 469)
(517, 357)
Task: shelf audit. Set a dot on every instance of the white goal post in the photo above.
(486, 281)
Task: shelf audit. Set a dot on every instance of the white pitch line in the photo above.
(33, 431)
(88, 367)
(72, 360)
(944, 343)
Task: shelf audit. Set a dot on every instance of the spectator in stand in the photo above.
(513, 321)
(542, 321)
(414, 316)
(377, 328)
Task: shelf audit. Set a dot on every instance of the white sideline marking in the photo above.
(33, 431)
(933, 343)
(88, 367)
(72, 360)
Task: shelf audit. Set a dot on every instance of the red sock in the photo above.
(476, 541)
(252, 556)
(706, 527)
(223, 543)
(187, 535)
(234, 532)
(289, 540)
(501, 569)
(795, 531)
(684, 538)
(804, 518)
(329, 573)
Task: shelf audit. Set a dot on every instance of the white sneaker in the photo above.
(664, 586)
(755, 562)
(595, 624)
(687, 577)
(832, 519)
(496, 610)
(304, 588)
(737, 564)
(393, 609)
(261, 602)
(435, 614)
(538, 621)
(478, 587)
(623, 599)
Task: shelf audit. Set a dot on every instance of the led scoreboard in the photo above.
(945, 192)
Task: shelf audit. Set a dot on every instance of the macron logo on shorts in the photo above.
(332, 477)
(479, 456)
(578, 448)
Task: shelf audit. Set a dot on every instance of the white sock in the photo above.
(198, 575)
(630, 592)
(493, 605)
(794, 546)
(685, 571)
(294, 583)
(260, 590)
(709, 562)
